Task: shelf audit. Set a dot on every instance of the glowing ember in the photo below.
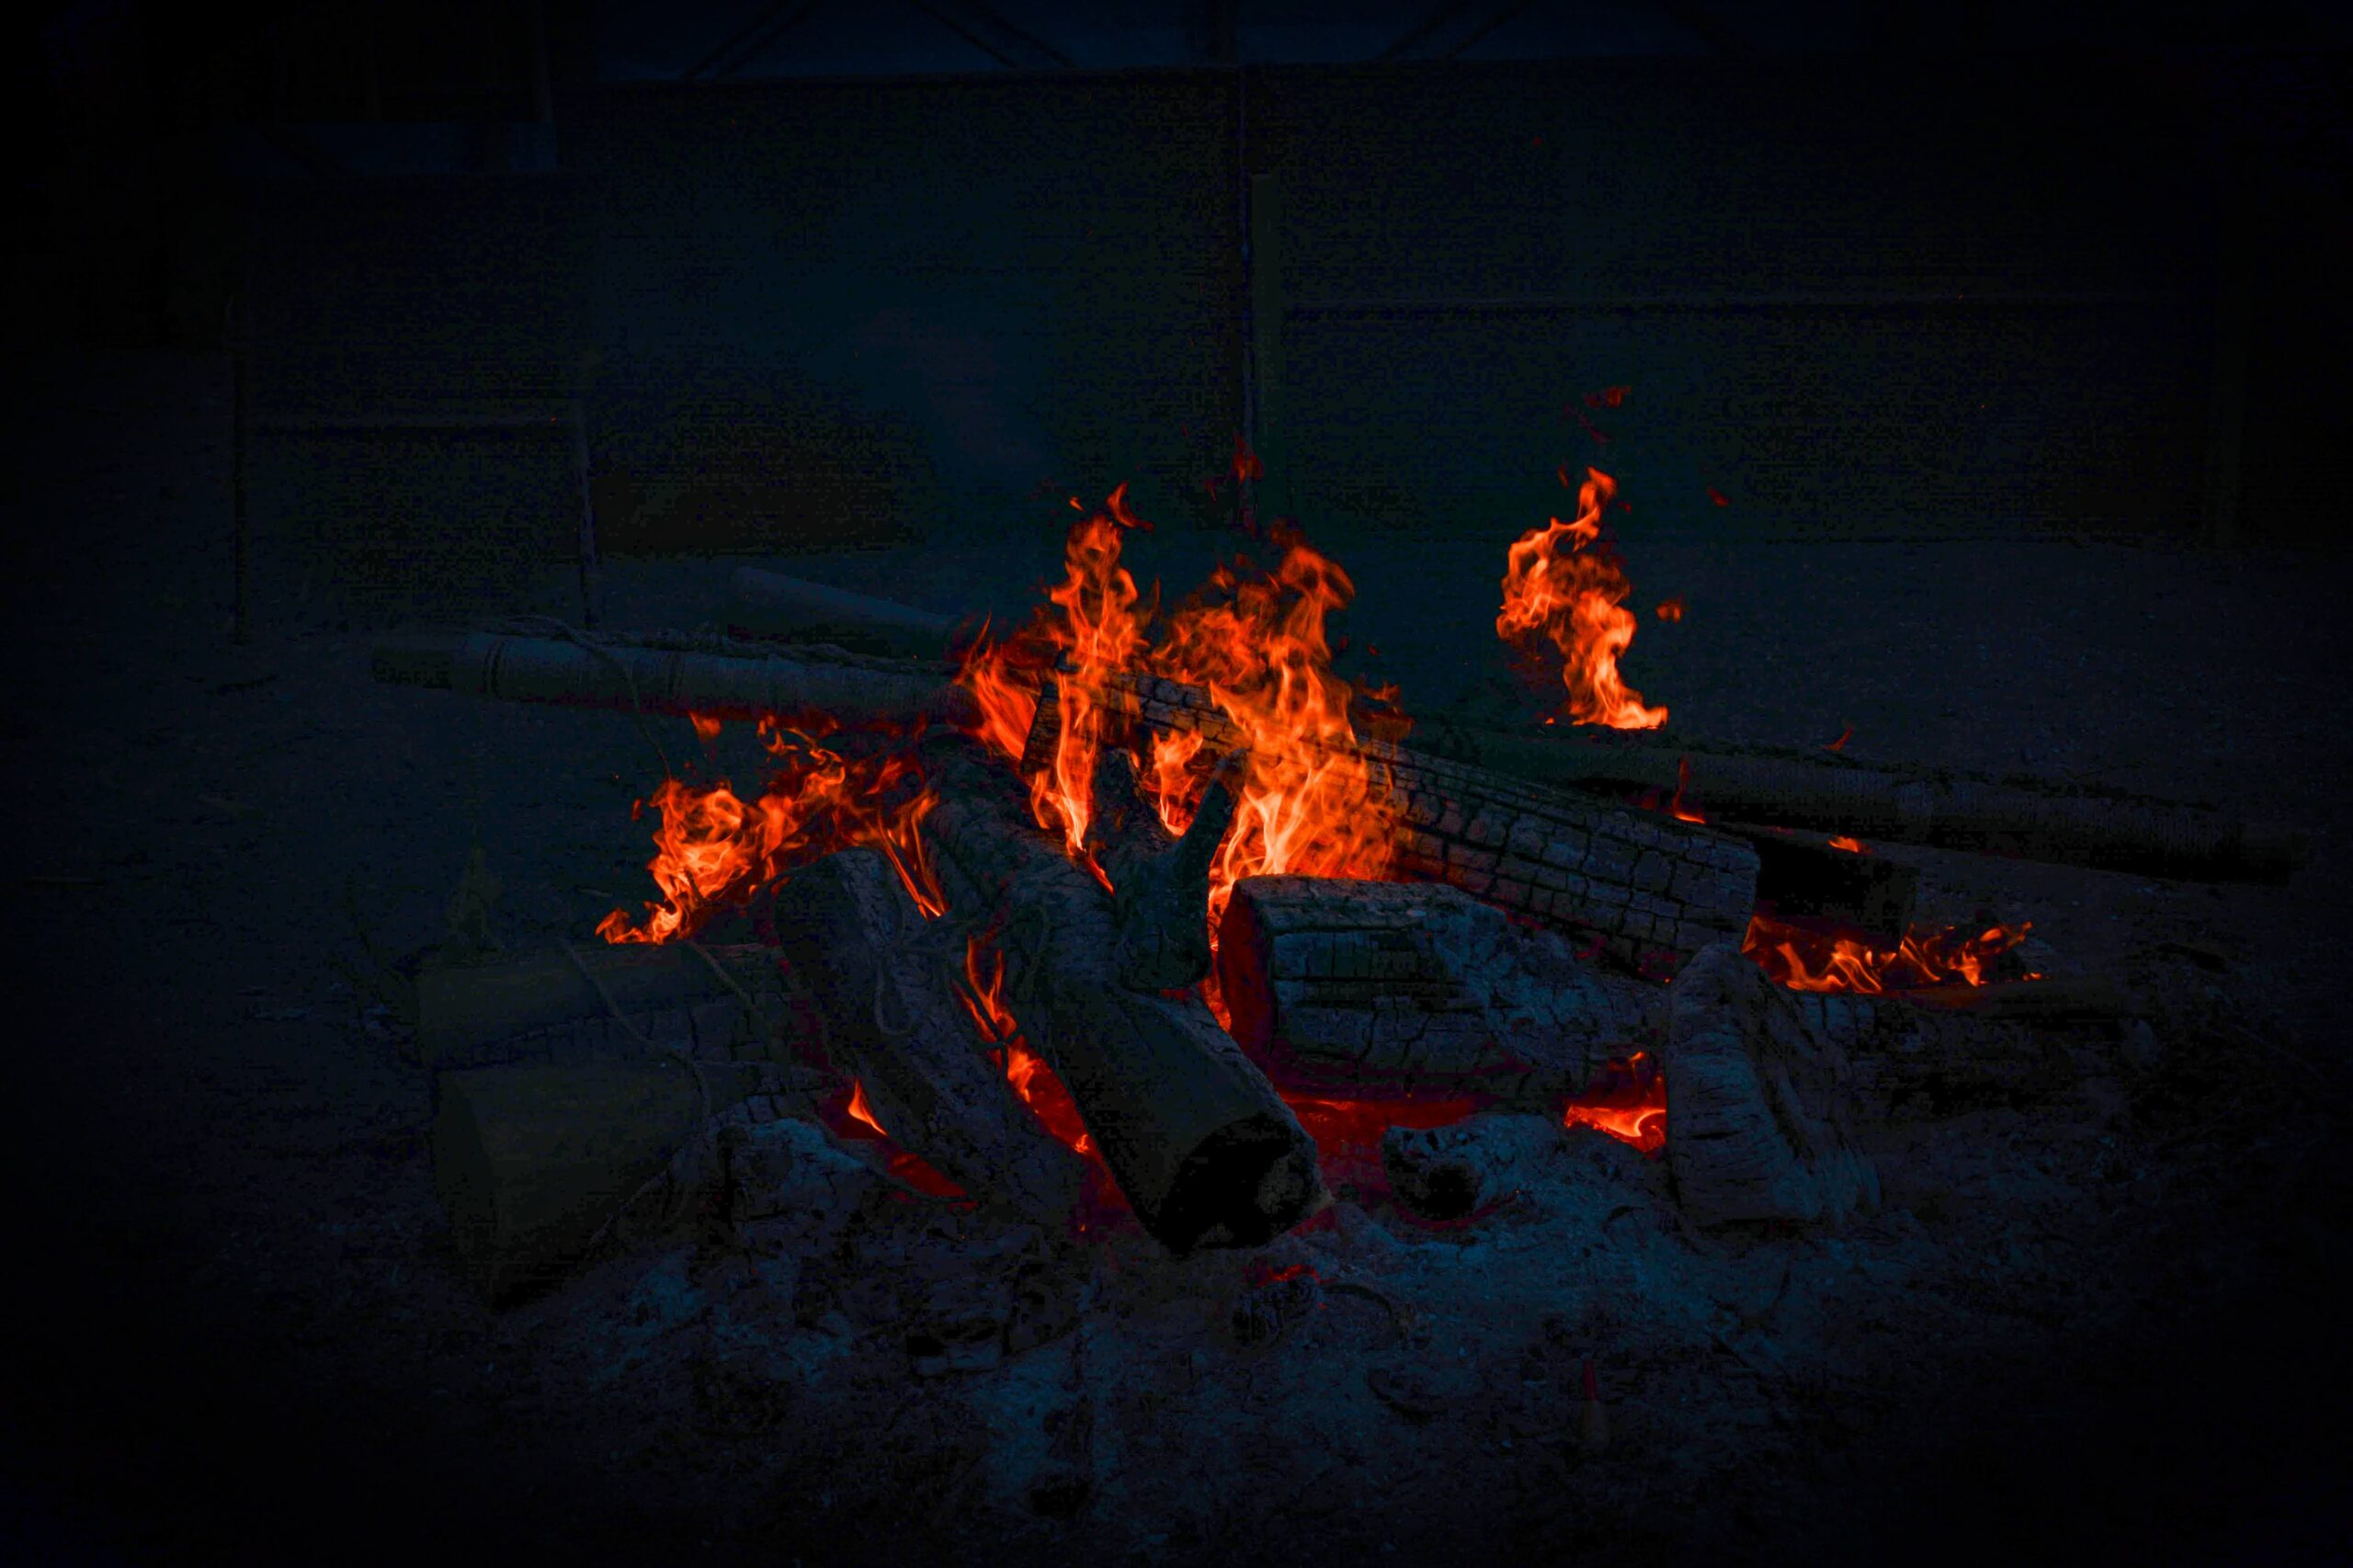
(714, 848)
(1628, 1102)
(1031, 1079)
(855, 1120)
(1809, 961)
(1558, 588)
(1851, 846)
(1670, 610)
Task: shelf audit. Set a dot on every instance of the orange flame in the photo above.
(1670, 610)
(714, 848)
(1852, 845)
(1033, 1080)
(1629, 1103)
(860, 1111)
(1308, 801)
(1803, 959)
(1558, 588)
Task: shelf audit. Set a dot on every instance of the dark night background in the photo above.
(1987, 393)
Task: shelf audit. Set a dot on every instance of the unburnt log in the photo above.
(1398, 989)
(594, 1000)
(770, 605)
(533, 1164)
(1199, 1142)
(1758, 1102)
(1449, 1173)
(1643, 888)
(715, 678)
(882, 984)
(1160, 884)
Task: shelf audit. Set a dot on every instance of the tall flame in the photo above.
(1033, 1080)
(1559, 587)
(1308, 801)
(713, 848)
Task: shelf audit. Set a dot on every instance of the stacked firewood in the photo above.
(1519, 961)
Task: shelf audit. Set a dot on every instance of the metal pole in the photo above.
(240, 436)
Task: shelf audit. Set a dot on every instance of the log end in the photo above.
(1242, 1187)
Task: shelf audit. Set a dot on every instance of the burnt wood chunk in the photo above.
(1198, 1139)
(1160, 898)
(1806, 881)
(1757, 1101)
(1451, 1173)
(1402, 989)
(599, 1001)
(883, 985)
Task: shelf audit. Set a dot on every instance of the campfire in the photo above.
(1139, 915)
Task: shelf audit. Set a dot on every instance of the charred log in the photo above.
(1160, 896)
(882, 987)
(1204, 1149)
(1646, 889)
(1401, 989)
(2019, 814)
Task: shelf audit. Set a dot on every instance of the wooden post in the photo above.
(1266, 379)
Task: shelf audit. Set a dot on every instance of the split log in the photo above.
(1160, 885)
(531, 1164)
(882, 987)
(770, 605)
(1643, 888)
(1205, 1151)
(2017, 814)
(601, 1001)
(1451, 1172)
(716, 677)
(1396, 989)
(1757, 1103)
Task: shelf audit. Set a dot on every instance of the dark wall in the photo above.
(1850, 296)
(1961, 295)
(834, 311)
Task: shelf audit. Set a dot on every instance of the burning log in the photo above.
(1161, 885)
(531, 1164)
(1646, 889)
(1354, 987)
(570, 1007)
(770, 605)
(882, 988)
(1204, 1149)
(1756, 1101)
(1451, 1173)
(2033, 818)
(715, 678)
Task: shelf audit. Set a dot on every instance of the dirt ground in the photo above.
(2100, 1322)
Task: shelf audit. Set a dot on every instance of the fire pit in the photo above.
(1136, 954)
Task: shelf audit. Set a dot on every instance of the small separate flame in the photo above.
(857, 1110)
(714, 848)
(1851, 846)
(1803, 959)
(1558, 588)
(1033, 1080)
